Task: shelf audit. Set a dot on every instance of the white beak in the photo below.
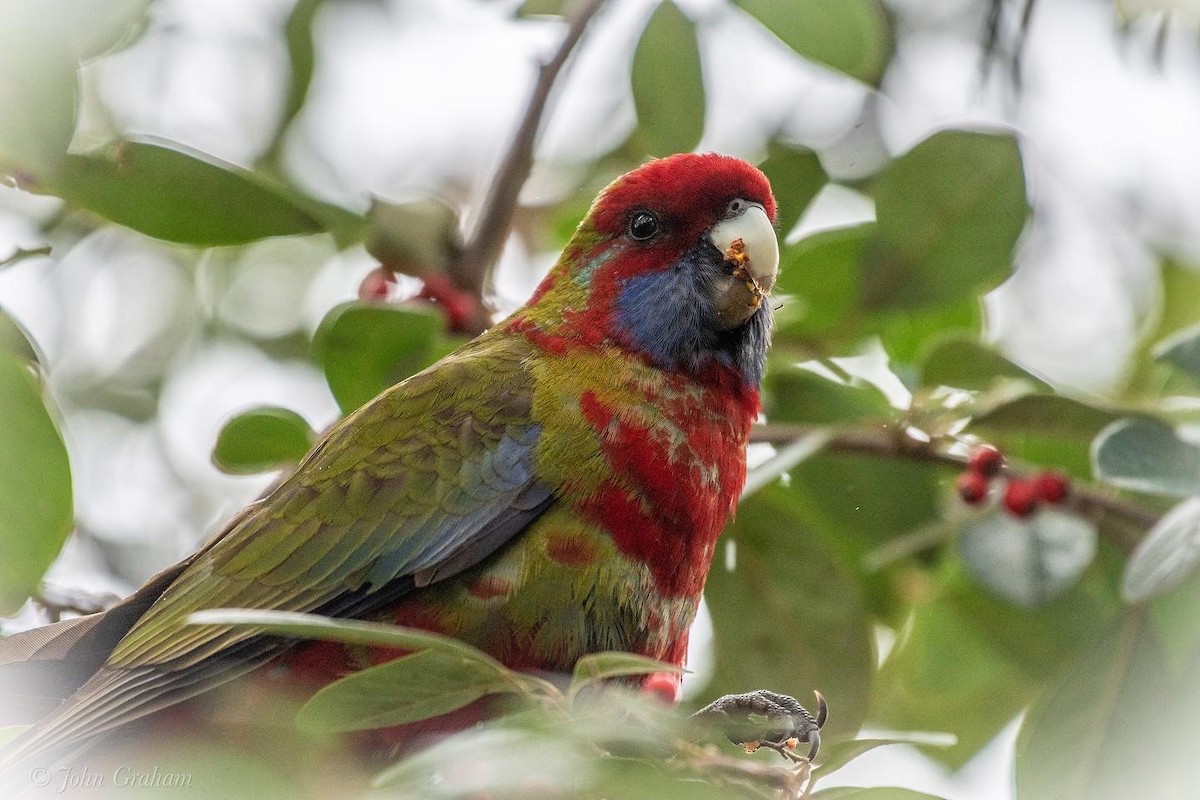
(754, 228)
(752, 253)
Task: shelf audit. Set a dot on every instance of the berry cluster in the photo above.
(1022, 496)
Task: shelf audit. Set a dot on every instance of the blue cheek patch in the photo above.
(669, 316)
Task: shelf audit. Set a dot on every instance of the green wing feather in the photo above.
(426, 480)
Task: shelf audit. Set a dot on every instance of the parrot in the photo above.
(553, 488)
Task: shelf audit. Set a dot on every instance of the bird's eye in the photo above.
(643, 225)
(735, 207)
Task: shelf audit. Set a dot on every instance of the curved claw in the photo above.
(814, 744)
(822, 709)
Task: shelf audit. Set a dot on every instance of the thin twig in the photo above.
(473, 267)
(889, 443)
(56, 602)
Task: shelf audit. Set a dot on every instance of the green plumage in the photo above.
(545, 492)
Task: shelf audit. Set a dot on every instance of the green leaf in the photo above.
(15, 340)
(822, 273)
(1175, 616)
(963, 363)
(541, 8)
(262, 439)
(179, 196)
(966, 663)
(298, 33)
(415, 238)
(614, 664)
(851, 36)
(793, 393)
(411, 688)
(1168, 554)
(330, 629)
(1182, 350)
(865, 500)
(1117, 725)
(1146, 455)
(949, 213)
(907, 337)
(1176, 308)
(1028, 562)
(365, 349)
(796, 176)
(788, 615)
(1045, 429)
(835, 755)
(668, 88)
(35, 485)
(871, 793)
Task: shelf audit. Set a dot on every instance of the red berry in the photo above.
(1052, 486)
(986, 460)
(1021, 497)
(663, 685)
(460, 307)
(376, 285)
(972, 487)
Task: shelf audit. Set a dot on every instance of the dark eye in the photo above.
(643, 225)
(735, 207)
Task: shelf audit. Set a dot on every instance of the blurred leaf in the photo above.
(1146, 456)
(786, 457)
(298, 34)
(411, 688)
(1177, 308)
(967, 364)
(1115, 726)
(1028, 562)
(800, 395)
(15, 340)
(1045, 429)
(906, 337)
(415, 238)
(330, 629)
(835, 755)
(1182, 350)
(872, 793)
(865, 500)
(541, 8)
(1175, 616)
(182, 196)
(851, 36)
(787, 616)
(1168, 554)
(796, 176)
(614, 664)
(35, 485)
(365, 349)
(949, 213)
(823, 273)
(41, 45)
(37, 102)
(262, 439)
(668, 89)
(642, 779)
(967, 663)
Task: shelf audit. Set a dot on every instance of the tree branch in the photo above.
(893, 443)
(473, 267)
